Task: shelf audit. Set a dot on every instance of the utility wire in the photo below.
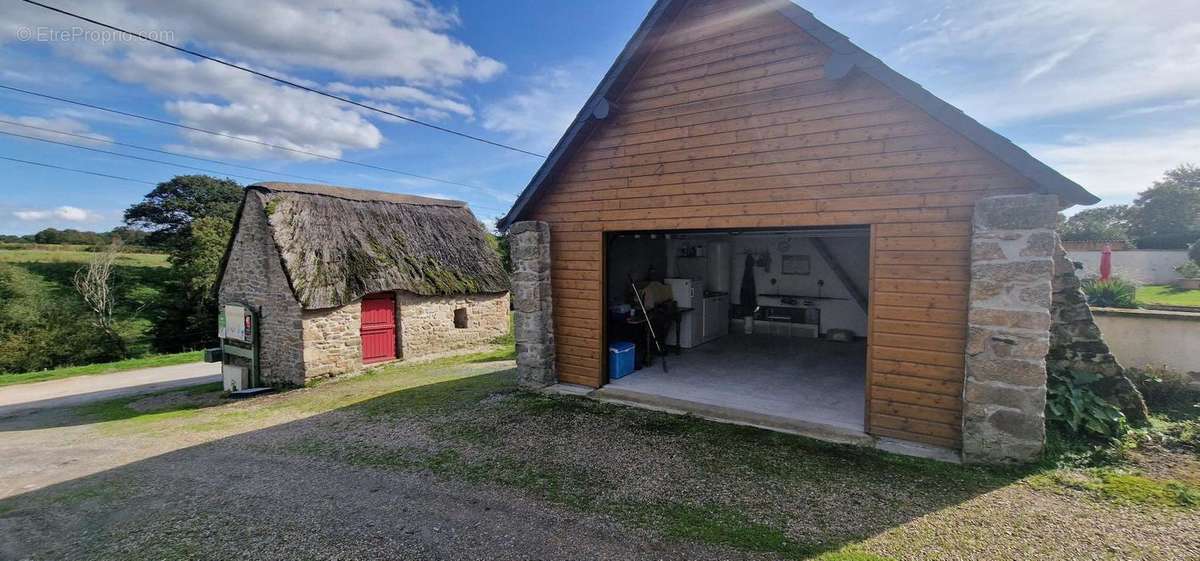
(232, 137)
(64, 168)
(130, 156)
(156, 150)
(285, 81)
(110, 176)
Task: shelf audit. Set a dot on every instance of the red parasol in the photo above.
(1106, 262)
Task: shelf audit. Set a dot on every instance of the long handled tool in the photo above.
(649, 324)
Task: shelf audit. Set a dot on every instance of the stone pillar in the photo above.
(1077, 344)
(533, 322)
(1012, 267)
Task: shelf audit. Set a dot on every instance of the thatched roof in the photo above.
(339, 244)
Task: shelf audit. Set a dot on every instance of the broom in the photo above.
(649, 324)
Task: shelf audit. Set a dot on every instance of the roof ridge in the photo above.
(354, 194)
(846, 57)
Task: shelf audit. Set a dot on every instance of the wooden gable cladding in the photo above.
(732, 124)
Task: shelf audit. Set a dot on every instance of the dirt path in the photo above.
(449, 461)
(69, 392)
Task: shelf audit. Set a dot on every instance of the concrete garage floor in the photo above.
(800, 385)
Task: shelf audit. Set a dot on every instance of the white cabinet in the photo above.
(716, 317)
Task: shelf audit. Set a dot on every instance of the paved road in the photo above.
(27, 398)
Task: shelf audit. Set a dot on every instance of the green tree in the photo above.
(498, 243)
(192, 216)
(1107, 223)
(188, 309)
(168, 211)
(1167, 215)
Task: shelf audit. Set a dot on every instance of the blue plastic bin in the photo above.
(620, 359)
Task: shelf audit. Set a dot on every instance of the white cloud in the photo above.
(62, 213)
(238, 104)
(1159, 108)
(541, 113)
(1009, 61)
(59, 123)
(404, 94)
(878, 15)
(402, 39)
(1120, 168)
(402, 46)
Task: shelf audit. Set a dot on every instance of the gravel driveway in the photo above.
(448, 461)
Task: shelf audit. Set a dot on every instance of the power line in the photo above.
(156, 150)
(130, 156)
(285, 81)
(232, 137)
(64, 168)
(110, 176)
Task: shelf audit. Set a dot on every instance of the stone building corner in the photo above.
(1012, 266)
(533, 322)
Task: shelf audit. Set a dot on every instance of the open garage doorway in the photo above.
(765, 327)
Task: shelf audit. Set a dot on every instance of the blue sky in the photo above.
(1107, 92)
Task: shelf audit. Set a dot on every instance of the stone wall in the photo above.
(529, 248)
(427, 322)
(1012, 266)
(254, 275)
(1143, 266)
(332, 340)
(1077, 344)
(1152, 338)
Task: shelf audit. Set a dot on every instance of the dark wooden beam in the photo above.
(855, 293)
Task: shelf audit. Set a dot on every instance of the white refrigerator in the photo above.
(688, 293)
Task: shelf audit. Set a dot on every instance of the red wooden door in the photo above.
(378, 327)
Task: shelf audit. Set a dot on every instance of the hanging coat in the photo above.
(749, 292)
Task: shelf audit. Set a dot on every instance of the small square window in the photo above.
(460, 318)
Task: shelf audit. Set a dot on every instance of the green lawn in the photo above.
(43, 321)
(1165, 295)
(105, 368)
(80, 256)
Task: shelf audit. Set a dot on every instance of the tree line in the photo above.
(126, 235)
(1164, 216)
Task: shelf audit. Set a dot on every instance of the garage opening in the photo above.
(760, 326)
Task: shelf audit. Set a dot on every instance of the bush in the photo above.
(1072, 404)
(1189, 270)
(1162, 387)
(1177, 240)
(1111, 293)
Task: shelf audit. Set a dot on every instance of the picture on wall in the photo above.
(796, 265)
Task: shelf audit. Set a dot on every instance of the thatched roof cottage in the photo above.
(346, 277)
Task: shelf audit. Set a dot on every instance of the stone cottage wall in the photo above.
(254, 275)
(1077, 344)
(1004, 394)
(332, 340)
(427, 322)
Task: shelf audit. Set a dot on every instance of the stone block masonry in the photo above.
(332, 340)
(529, 247)
(254, 275)
(427, 325)
(1077, 344)
(1012, 267)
